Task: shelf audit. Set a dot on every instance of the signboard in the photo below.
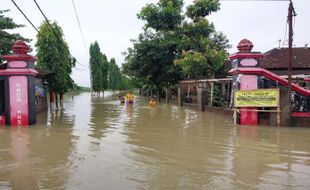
(249, 62)
(257, 98)
(18, 100)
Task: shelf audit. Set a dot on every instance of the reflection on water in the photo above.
(97, 143)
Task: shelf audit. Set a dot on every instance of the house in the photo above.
(277, 61)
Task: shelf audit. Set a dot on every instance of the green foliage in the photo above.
(53, 55)
(195, 35)
(105, 72)
(151, 60)
(202, 8)
(116, 79)
(172, 49)
(218, 99)
(166, 15)
(194, 64)
(203, 49)
(99, 68)
(77, 88)
(96, 72)
(7, 39)
(197, 65)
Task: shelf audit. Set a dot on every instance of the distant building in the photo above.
(277, 61)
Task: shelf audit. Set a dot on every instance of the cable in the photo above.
(40, 34)
(52, 28)
(79, 24)
(267, 45)
(25, 15)
(80, 28)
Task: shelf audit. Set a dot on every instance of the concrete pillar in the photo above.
(212, 94)
(180, 103)
(284, 107)
(202, 98)
(168, 95)
(19, 88)
(244, 58)
(223, 85)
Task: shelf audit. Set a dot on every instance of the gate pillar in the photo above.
(19, 80)
(248, 59)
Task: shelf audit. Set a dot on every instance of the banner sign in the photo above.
(257, 98)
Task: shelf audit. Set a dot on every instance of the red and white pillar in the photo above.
(19, 87)
(246, 59)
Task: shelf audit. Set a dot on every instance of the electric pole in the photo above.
(291, 13)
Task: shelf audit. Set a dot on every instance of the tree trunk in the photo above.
(158, 94)
(56, 98)
(61, 98)
(52, 97)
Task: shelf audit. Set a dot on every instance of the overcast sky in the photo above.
(114, 23)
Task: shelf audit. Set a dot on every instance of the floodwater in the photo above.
(99, 144)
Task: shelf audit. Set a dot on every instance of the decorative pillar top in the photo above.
(20, 50)
(245, 46)
(20, 47)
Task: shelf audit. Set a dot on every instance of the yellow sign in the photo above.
(257, 98)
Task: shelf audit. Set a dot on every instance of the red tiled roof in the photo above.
(279, 58)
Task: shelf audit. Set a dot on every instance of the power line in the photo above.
(79, 24)
(51, 27)
(80, 28)
(25, 15)
(269, 44)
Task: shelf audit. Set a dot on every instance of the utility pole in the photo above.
(291, 13)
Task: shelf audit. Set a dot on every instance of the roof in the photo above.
(43, 73)
(279, 58)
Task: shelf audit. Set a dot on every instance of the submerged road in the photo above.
(97, 143)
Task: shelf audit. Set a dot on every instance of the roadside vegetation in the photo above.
(175, 46)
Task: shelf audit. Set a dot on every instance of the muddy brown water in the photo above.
(99, 144)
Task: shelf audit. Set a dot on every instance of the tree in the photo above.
(202, 8)
(164, 16)
(7, 39)
(173, 47)
(99, 68)
(105, 72)
(150, 61)
(95, 65)
(54, 55)
(116, 79)
(203, 49)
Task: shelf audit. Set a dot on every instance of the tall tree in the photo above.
(172, 47)
(116, 79)
(54, 55)
(151, 58)
(95, 65)
(99, 68)
(104, 72)
(7, 39)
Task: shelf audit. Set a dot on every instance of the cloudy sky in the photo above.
(114, 23)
